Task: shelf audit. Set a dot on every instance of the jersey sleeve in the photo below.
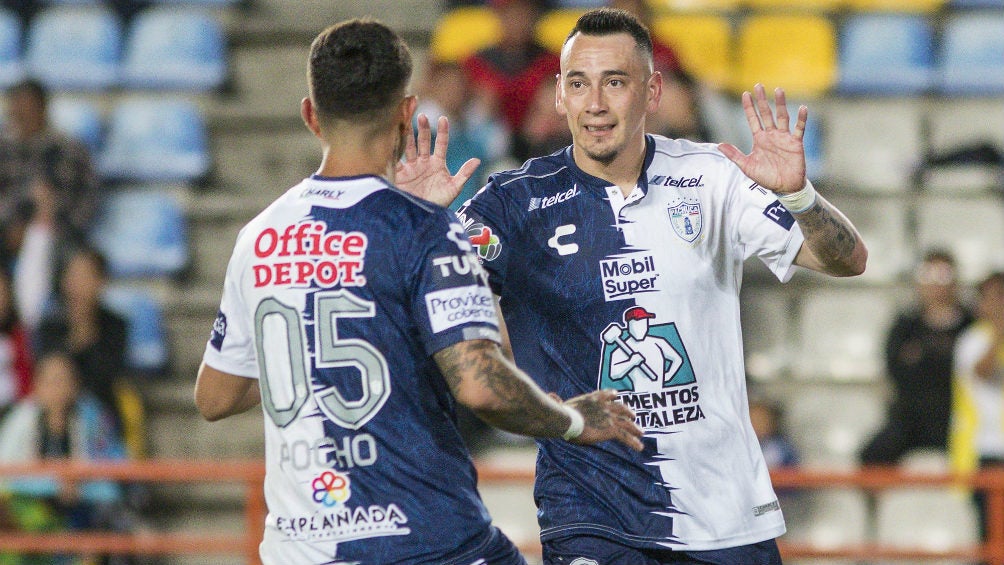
(231, 343)
(765, 227)
(488, 228)
(451, 300)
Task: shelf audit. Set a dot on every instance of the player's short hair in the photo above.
(610, 21)
(939, 255)
(357, 70)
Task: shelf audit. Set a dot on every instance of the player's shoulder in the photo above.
(534, 174)
(665, 147)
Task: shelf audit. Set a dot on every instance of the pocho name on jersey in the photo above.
(305, 253)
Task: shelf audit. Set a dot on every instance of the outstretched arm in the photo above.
(777, 162)
(482, 379)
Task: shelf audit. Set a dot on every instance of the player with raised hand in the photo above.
(357, 315)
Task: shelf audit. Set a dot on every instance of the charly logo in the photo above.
(686, 219)
(557, 245)
(331, 488)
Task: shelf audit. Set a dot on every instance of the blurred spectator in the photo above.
(15, 350)
(977, 439)
(35, 157)
(474, 131)
(507, 75)
(543, 131)
(59, 421)
(919, 350)
(767, 418)
(95, 336)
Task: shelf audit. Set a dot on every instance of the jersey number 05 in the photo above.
(274, 317)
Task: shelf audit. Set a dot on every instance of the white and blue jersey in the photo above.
(335, 299)
(589, 279)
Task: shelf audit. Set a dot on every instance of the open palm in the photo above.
(423, 172)
(777, 161)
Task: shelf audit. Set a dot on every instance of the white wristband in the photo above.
(576, 426)
(800, 201)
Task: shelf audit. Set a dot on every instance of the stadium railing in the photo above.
(250, 473)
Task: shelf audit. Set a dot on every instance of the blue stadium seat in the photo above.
(972, 55)
(74, 47)
(147, 349)
(79, 118)
(143, 232)
(174, 48)
(154, 140)
(977, 3)
(11, 67)
(885, 53)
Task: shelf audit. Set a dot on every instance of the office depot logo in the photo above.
(305, 253)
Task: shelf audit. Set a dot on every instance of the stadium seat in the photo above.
(703, 43)
(828, 437)
(971, 227)
(766, 329)
(11, 67)
(79, 118)
(901, 6)
(848, 345)
(796, 52)
(461, 32)
(972, 54)
(874, 144)
(74, 47)
(174, 48)
(926, 518)
(554, 25)
(143, 232)
(146, 342)
(835, 517)
(883, 53)
(155, 140)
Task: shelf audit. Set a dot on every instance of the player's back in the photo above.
(346, 287)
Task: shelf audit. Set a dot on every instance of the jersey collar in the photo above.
(600, 185)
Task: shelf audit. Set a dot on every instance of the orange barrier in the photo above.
(251, 473)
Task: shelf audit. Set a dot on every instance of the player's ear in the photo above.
(559, 101)
(654, 89)
(406, 110)
(309, 115)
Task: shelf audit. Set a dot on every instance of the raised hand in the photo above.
(606, 419)
(777, 161)
(423, 172)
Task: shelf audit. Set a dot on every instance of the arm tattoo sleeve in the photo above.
(829, 235)
(481, 378)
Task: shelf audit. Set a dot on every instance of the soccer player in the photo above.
(357, 315)
(576, 241)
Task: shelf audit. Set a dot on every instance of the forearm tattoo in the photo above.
(516, 405)
(828, 234)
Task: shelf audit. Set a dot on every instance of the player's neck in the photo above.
(623, 171)
(353, 156)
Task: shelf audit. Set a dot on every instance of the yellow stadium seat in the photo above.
(462, 31)
(702, 41)
(801, 5)
(922, 6)
(553, 27)
(797, 53)
(674, 6)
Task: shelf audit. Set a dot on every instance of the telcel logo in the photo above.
(627, 275)
(537, 203)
